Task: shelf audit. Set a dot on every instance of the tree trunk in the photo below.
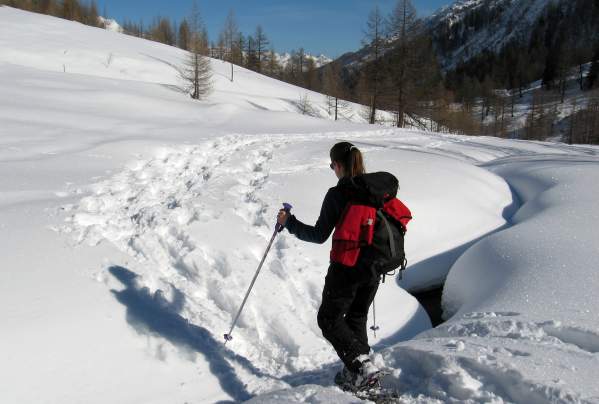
(513, 102)
(372, 109)
(400, 112)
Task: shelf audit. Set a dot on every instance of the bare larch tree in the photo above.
(197, 72)
(374, 36)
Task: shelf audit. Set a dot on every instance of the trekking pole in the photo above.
(374, 327)
(278, 228)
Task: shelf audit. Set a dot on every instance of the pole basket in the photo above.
(228, 337)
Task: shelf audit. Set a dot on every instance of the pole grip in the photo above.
(287, 208)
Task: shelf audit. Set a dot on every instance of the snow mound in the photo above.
(110, 24)
(521, 302)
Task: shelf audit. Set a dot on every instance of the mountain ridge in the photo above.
(456, 43)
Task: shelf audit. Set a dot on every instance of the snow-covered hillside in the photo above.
(133, 218)
(507, 20)
(319, 61)
(510, 19)
(85, 50)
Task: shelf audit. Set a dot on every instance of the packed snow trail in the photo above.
(167, 213)
(197, 218)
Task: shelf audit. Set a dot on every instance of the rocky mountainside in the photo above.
(468, 27)
(319, 61)
(465, 28)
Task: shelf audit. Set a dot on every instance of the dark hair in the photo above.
(350, 158)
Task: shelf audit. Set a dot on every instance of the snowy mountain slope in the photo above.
(85, 50)
(132, 219)
(508, 20)
(319, 61)
(505, 20)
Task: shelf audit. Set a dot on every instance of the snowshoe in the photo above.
(367, 376)
(371, 389)
(345, 378)
(366, 383)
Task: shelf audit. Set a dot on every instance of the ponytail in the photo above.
(350, 158)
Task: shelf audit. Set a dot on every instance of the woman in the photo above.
(348, 291)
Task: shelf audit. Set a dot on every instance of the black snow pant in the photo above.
(346, 298)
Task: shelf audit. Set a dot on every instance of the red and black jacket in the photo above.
(333, 206)
(351, 209)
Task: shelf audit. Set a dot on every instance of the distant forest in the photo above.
(401, 70)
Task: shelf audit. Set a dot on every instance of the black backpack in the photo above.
(385, 254)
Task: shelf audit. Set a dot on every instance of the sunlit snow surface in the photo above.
(132, 220)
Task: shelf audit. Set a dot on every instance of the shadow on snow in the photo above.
(152, 313)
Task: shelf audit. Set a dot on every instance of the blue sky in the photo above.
(331, 27)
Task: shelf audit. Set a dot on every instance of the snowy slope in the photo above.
(133, 218)
(510, 19)
(78, 49)
(513, 20)
(319, 61)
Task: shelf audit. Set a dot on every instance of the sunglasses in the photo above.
(332, 166)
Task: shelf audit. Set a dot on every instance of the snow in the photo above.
(514, 21)
(110, 24)
(319, 61)
(132, 220)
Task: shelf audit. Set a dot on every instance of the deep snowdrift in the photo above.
(132, 219)
(523, 326)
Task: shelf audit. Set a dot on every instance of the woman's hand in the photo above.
(282, 217)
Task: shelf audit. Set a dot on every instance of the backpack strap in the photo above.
(379, 213)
